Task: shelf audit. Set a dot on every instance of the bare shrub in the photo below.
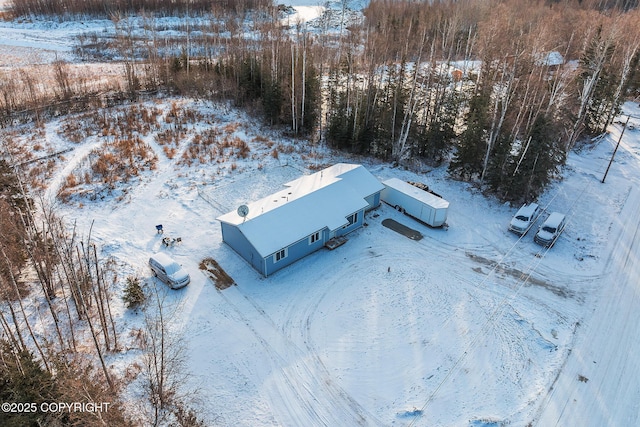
(317, 166)
(115, 162)
(264, 140)
(136, 119)
(170, 137)
(170, 152)
(70, 181)
(203, 148)
(75, 130)
(242, 148)
(286, 148)
(231, 127)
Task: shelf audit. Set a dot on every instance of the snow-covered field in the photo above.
(470, 326)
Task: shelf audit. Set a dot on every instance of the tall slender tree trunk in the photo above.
(24, 313)
(293, 91)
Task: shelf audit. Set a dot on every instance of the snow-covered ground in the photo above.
(42, 40)
(470, 326)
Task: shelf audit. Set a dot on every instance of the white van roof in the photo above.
(554, 219)
(167, 262)
(527, 210)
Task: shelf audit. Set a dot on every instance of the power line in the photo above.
(616, 149)
(490, 322)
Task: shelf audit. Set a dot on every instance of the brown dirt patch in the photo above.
(220, 278)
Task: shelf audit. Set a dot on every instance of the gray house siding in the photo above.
(239, 243)
(294, 252)
(349, 228)
(373, 200)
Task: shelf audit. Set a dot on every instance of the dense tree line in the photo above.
(274, 73)
(479, 82)
(500, 90)
(110, 7)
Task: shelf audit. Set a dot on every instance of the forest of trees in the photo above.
(499, 91)
(69, 8)
(509, 118)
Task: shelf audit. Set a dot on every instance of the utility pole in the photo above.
(616, 149)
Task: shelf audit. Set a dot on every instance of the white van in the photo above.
(169, 271)
(524, 219)
(550, 229)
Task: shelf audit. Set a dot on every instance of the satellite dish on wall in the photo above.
(243, 210)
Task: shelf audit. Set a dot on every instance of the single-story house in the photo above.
(280, 229)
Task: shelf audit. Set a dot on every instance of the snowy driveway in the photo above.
(599, 384)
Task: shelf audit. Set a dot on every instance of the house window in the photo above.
(314, 237)
(280, 255)
(353, 218)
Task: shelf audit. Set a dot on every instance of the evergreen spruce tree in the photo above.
(595, 63)
(350, 127)
(250, 79)
(272, 100)
(339, 124)
(23, 380)
(502, 162)
(133, 293)
(539, 164)
(435, 139)
(472, 142)
(634, 78)
(389, 111)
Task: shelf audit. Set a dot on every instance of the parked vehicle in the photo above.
(550, 229)
(169, 271)
(524, 218)
(413, 201)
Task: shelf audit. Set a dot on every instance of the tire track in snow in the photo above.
(298, 379)
(79, 153)
(309, 312)
(606, 360)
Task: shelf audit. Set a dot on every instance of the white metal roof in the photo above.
(417, 193)
(307, 204)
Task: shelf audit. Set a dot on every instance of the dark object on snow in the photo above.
(335, 242)
(159, 229)
(170, 241)
(402, 229)
(412, 413)
(424, 187)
